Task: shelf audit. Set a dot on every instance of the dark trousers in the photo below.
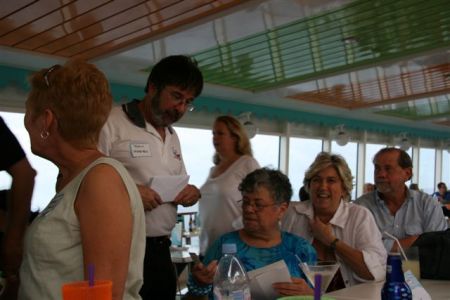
(160, 282)
(446, 211)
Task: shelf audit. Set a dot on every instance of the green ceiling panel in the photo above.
(423, 110)
(361, 33)
(17, 77)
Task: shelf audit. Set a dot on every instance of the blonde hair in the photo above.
(243, 146)
(79, 96)
(324, 160)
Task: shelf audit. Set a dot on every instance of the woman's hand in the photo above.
(202, 274)
(351, 256)
(321, 231)
(298, 286)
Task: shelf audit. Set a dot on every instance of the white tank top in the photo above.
(53, 253)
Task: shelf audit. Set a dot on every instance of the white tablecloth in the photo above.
(438, 289)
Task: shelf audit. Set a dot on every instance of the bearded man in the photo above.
(140, 135)
(398, 210)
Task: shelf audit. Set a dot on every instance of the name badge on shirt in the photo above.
(140, 150)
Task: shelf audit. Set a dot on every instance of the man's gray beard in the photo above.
(383, 188)
(157, 114)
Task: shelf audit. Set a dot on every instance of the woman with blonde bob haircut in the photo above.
(339, 230)
(65, 110)
(233, 160)
(325, 160)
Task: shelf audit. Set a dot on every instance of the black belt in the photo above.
(158, 240)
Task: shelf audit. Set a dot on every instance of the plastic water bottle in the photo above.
(231, 281)
(395, 287)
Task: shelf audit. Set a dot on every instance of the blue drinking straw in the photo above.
(317, 286)
(91, 272)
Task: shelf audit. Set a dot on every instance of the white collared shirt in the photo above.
(418, 214)
(352, 224)
(145, 155)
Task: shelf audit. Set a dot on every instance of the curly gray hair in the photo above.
(274, 181)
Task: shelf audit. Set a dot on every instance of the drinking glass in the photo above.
(325, 268)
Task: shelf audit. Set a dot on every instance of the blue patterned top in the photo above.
(254, 257)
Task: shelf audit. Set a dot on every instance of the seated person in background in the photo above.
(265, 197)
(339, 230)
(96, 216)
(402, 212)
(414, 186)
(443, 196)
(303, 194)
(368, 187)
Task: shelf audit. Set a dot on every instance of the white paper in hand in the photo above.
(168, 187)
(261, 280)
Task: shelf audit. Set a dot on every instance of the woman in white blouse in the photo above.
(337, 229)
(219, 208)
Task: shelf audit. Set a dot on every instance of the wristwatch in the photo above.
(333, 244)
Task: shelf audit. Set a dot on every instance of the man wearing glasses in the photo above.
(139, 134)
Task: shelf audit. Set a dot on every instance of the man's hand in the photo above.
(202, 274)
(298, 286)
(188, 196)
(406, 243)
(150, 198)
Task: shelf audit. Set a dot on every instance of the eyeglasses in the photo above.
(178, 99)
(254, 205)
(48, 72)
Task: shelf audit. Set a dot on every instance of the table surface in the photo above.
(182, 254)
(438, 290)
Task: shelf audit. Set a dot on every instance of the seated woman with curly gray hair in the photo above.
(265, 198)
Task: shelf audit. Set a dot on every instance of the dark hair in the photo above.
(414, 186)
(273, 180)
(179, 70)
(303, 194)
(441, 184)
(404, 160)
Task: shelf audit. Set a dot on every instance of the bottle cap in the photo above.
(229, 248)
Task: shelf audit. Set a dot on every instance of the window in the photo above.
(198, 151)
(426, 170)
(302, 153)
(44, 185)
(350, 154)
(446, 167)
(371, 150)
(266, 150)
